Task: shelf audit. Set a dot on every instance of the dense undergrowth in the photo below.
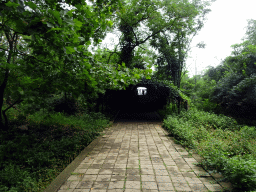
(227, 147)
(31, 159)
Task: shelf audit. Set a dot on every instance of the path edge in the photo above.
(65, 174)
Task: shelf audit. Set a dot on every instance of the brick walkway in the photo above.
(133, 157)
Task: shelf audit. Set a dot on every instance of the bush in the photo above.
(68, 105)
(226, 147)
(242, 173)
(30, 160)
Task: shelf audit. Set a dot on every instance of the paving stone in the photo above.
(118, 178)
(115, 190)
(172, 169)
(149, 185)
(110, 161)
(83, 166)
(95, 166)
(165, 186)
(201, 173)
(158, 166)
(214, 187)
(69, 185)
(132, 184)
(143, 158)
(121, 162)
(148, 178)
(147, 172)
(193, 180)
(161, 172)
(132, 171)
(100, 185)
(189, 174)
(89, 178)
(100, 161)
(182, 187)
(119, 172)
(81, 190)
(131, 190)
(133, 178)
(147, 166)
(178, 180)
(77, 170)
(120, 166)
(92, 171)
(105, 171)
(103, 178)
(75, 177)
(84, 185)
(108, 165)
(133, 166)
(145, 162)
(116, 185)
(198, 187)
(163, 179)
(149, 190)
(98, 190)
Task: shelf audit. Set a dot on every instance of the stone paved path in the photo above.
(133, 157)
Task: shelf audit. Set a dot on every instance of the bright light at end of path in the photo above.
(142, 90)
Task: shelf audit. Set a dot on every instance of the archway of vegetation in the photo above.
(157, 96)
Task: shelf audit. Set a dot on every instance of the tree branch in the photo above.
(12, 105)
(155, 33)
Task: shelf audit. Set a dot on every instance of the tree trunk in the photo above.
(11, 40)
(179, 100)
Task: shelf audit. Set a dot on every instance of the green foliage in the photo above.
(237, 168)
(230, 87)
(43, 68)
(67, 105)
(226, 147)
(30, 160)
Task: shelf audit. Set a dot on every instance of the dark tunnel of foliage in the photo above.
(157, 96)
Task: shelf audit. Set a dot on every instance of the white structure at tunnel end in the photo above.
(141, 90)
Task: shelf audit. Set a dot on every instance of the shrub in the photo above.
(226, 147)
(68, 105)
(30, 160)
(241, 172)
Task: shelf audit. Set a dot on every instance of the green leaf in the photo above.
(2, 53)
(56, 14)
(78, 23)
(136, 76)
(110, 23)
(70, 50)
(20, 91)
(49, 24)
(54, 29)
(75, 40)
(70, 13)
(11, 4)
(123, 64)
(81, 38)
(80, 47)
(31, 5)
